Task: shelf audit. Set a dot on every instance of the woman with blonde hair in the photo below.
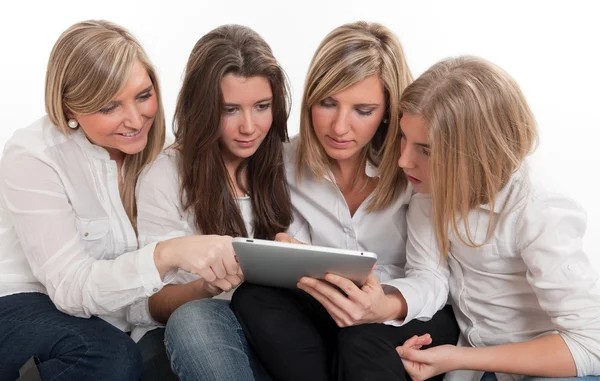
(347, 192)
(485, 225)
(223, 177)
(72, 270)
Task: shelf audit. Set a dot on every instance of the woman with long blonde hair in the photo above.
(485, 225)
(347, 192)
(72, 272)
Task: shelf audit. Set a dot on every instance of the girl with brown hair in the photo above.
(223, 177)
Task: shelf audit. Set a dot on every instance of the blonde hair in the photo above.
(347, 55)
(89, 64)
(480, 130)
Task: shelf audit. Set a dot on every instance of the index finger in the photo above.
(354, 293)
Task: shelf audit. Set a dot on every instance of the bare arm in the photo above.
(172, 296)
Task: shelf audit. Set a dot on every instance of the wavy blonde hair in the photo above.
(480, 131)
(347, 55)
(88, 66)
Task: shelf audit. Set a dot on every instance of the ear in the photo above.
(68, 113)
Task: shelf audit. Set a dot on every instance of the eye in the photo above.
(107, 109)
(425, 152)
(263, 106)
(327, 103)
(364, 112)
(145, 96)
(229, 110)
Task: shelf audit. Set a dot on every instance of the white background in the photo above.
(551, 48)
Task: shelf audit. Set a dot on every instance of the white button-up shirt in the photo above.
(322, 218)
(530, 279)
(161, 216)
(63, 228)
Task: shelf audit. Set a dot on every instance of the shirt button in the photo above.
(155, 289)
(86, 234)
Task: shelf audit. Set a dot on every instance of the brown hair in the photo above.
(88, 66)
(347, 55)
(480, 130)
(205, 184)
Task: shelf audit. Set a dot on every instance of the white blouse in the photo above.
(322, 218)
(161, 216)
(530, 279)
(63, 228)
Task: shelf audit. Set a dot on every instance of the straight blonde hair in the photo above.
(480, 131)
(88, 66)
(347, 55)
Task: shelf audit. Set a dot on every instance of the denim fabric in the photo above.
(204, 341)
(68, 348)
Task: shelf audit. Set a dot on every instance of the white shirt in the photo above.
(530, 279)
(63, 228)
(322, 218)
(161, 216)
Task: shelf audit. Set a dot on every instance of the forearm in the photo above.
(396, 306)
(172, 296)
(548, 356)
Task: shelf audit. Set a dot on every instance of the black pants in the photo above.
(296, 339)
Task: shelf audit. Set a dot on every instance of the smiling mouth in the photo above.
(131, 134)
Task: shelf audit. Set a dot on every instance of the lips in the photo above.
(338, 143)
(412, 179)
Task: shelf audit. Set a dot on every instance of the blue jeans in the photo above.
(205, 342)
(68, 348)
(491, 377)
(156, 365)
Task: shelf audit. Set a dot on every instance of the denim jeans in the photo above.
(68, 348)
(156, 365)
(205, 342)
(491, 377)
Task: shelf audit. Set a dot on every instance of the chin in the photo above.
(340, 154)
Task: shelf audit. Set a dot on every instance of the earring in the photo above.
(72, 123)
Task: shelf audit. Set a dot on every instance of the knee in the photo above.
(356, 341)
(116, 352)
(196, 323)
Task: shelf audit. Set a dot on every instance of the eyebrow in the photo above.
(418, 144)
(356, 105)
(115, 102)
(259, 101)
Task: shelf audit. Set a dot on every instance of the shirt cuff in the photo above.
(412, 297)
(151, 280)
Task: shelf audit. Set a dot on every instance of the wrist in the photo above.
(396, 307)
(162, 257)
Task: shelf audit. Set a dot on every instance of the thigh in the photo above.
(67, 347)
(368, 351)
(155, 363)
(291, 333)
(205, 342)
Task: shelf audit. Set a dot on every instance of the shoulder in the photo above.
(35, 139)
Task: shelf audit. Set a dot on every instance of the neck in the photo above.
(232, 165)
(345, 172)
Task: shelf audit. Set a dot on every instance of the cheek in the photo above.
(227, 128)
(320, 118)
(150, 107)
(264, 121)
(97, 126)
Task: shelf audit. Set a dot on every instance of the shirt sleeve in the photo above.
(299, 228)
(45, 223)
(551, 230)
(159, 218)
(425, 286)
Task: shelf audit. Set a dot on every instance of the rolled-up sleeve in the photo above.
(551, 231)
(425, 287)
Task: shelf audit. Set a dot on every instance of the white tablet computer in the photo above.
(282, 264)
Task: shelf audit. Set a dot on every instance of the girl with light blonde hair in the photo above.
(346, 192)
(73, 280)
(488, 228)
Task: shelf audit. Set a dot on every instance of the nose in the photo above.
(406, 159)
(134, 118)
(341, 123)
(247, 123)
